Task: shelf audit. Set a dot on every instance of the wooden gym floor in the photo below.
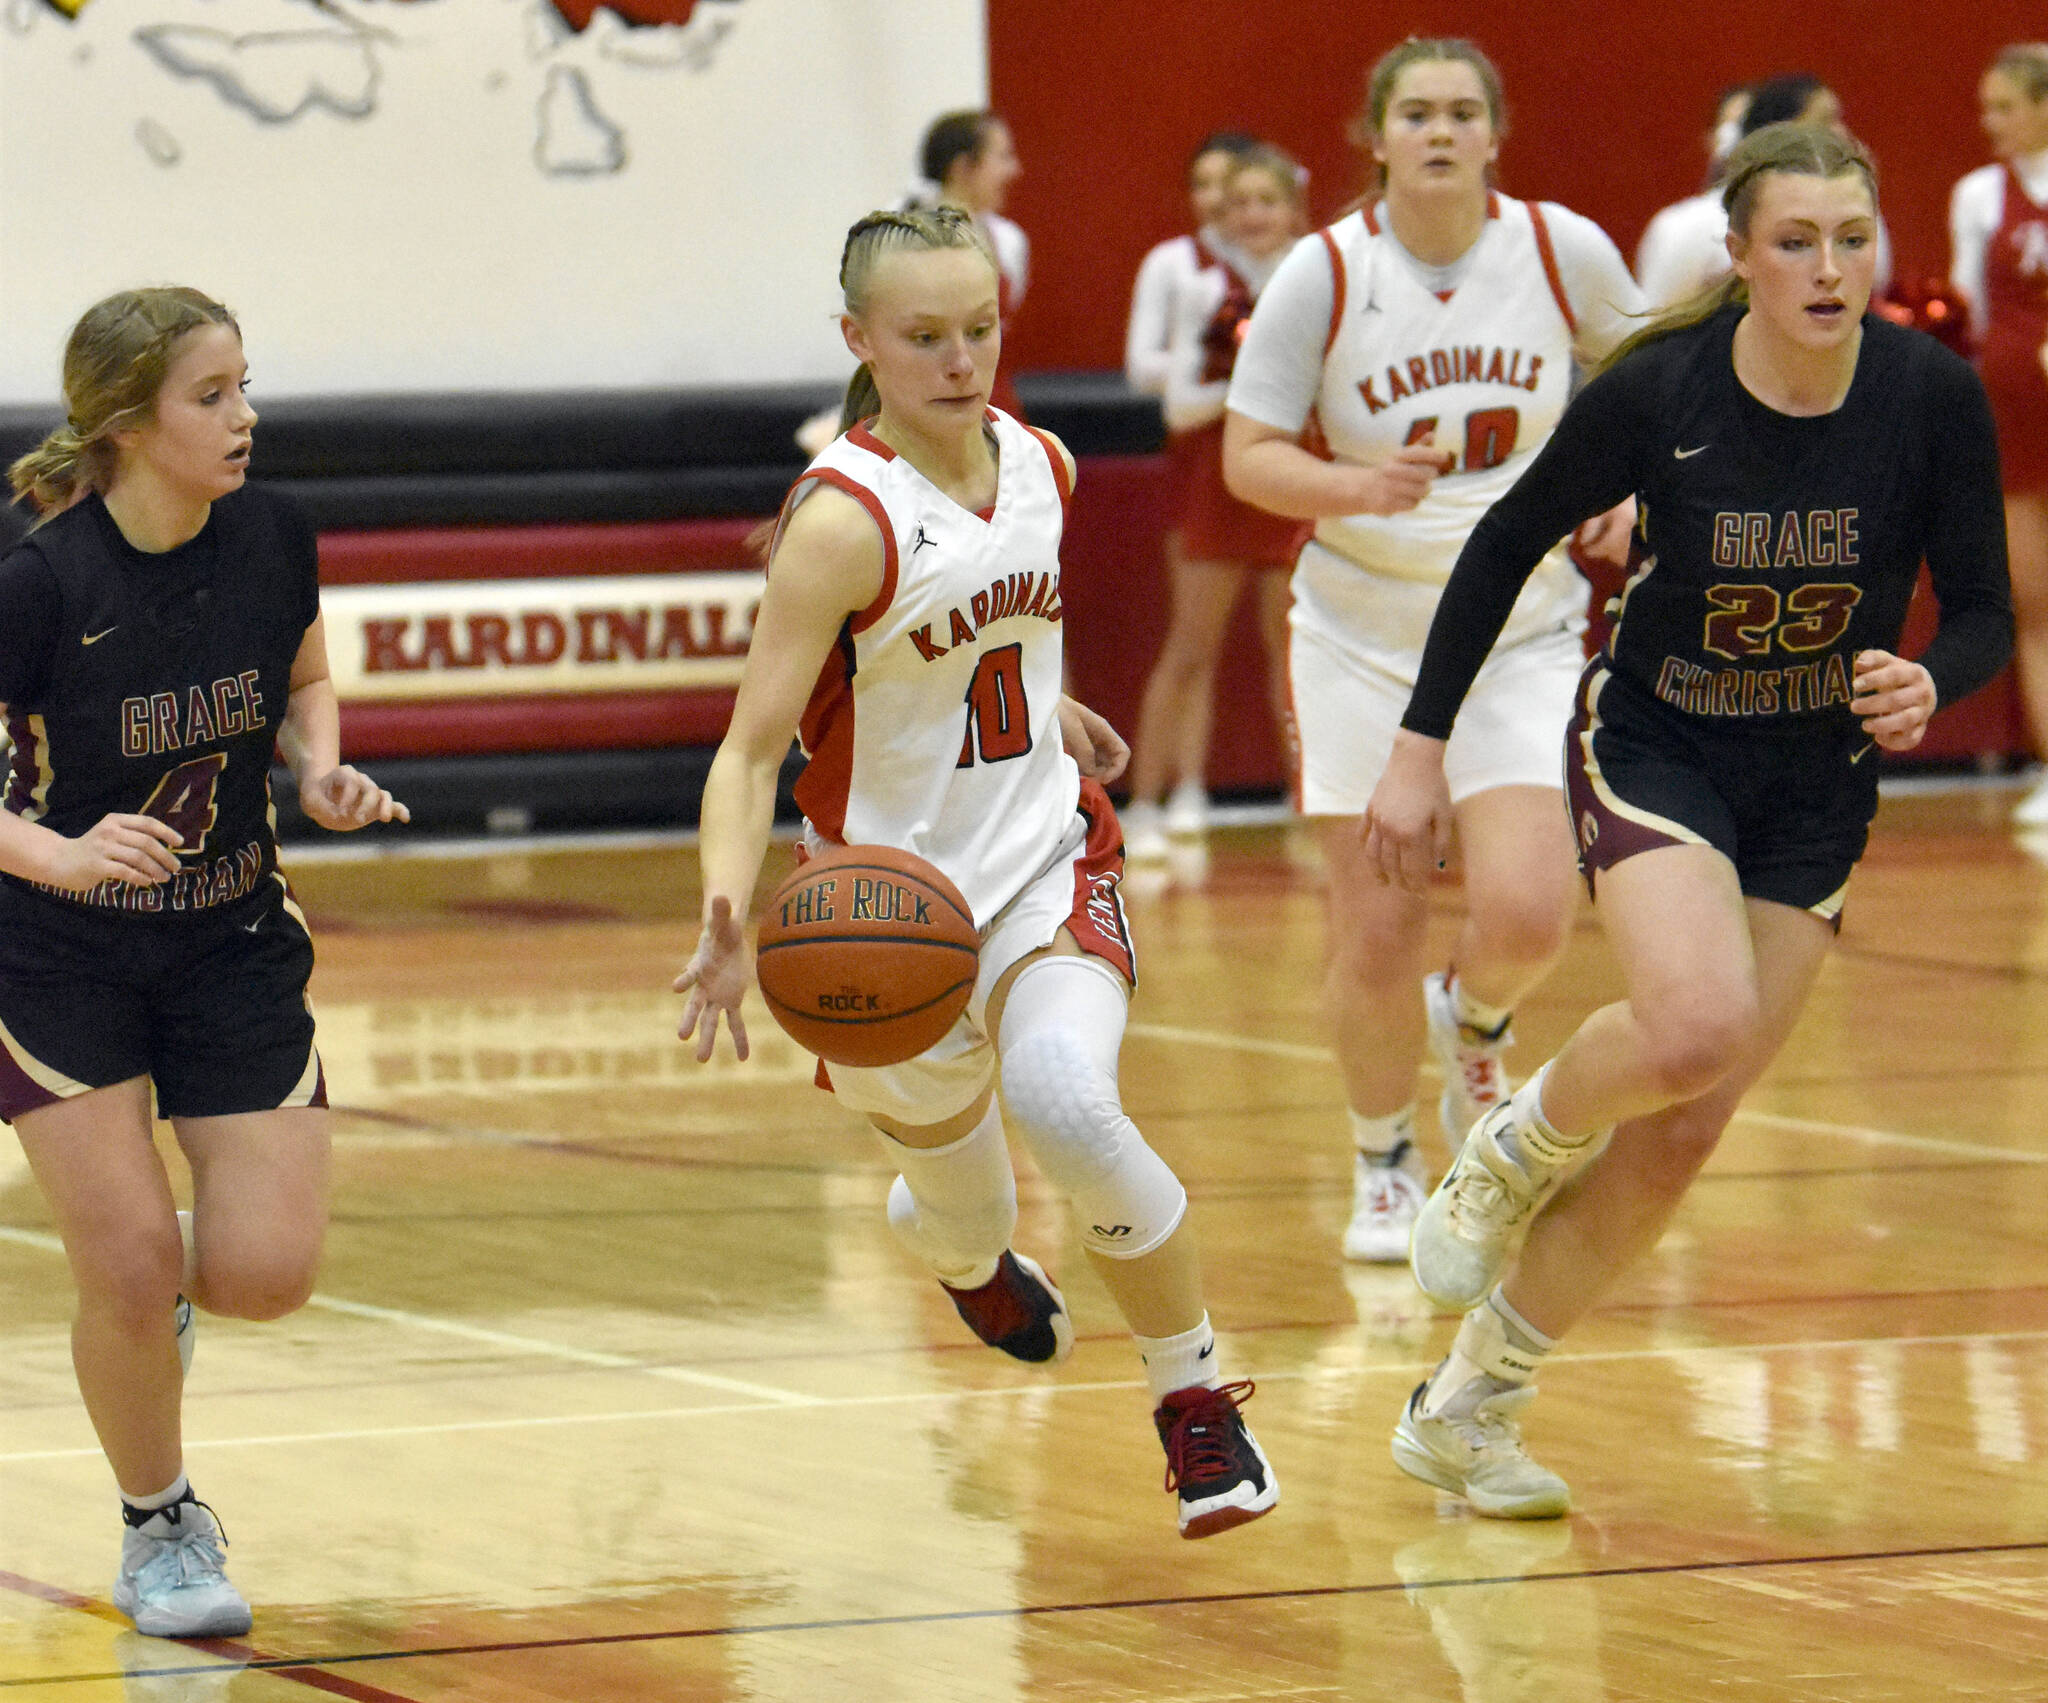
(616, 1387)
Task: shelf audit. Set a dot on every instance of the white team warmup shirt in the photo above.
(1191, 400)
(1166, 273)
(934, 726)
(1382, 350)
(1976, 208)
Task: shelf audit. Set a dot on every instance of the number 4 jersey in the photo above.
(155, 683)
(934, 726)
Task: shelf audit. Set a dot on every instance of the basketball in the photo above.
(867, 955)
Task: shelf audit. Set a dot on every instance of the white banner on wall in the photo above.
(488, 638)
(465, 194)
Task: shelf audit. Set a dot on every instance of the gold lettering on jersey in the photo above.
(1752, 542)
(1473, 364)
(153, 725)
(1726, 692)
(1026, 596)
(196, 887)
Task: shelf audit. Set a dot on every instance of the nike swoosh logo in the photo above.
(252, 927)
(1211, 1349)
(94, 638)
(1688, 454)
(1868, 745)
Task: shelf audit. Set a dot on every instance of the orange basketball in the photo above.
(867, 955)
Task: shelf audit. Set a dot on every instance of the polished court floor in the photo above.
(616, 1387)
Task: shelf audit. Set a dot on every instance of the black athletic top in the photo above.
(155, 684)
(1770, 548)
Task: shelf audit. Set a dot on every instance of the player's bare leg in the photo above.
(259, 1195)
(1276, 599)
(1178, 708)
(2026, 534)
(98, 1168)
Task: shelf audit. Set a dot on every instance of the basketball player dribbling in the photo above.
(1431, 336)
(160, 639)
(1794, 460)
(910, 630)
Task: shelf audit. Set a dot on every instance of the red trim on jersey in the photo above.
(1204, 259)
(1550, 271)
(873, 504)
(1060, 476)
(1372, 218)
(1336, 287)
(859, 434)
(1493, 204)
(826, 728)
(1097, 920)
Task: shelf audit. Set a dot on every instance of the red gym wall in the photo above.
(1607, 104)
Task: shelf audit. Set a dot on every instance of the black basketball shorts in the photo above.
(211, 1007)
(1791, 810)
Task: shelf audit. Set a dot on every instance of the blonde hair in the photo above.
(1371, 120)
(2026, 63)
(886, 232)
(115, 361)
(1804, 150)
(1277, 164)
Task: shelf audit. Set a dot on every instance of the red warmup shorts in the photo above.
(1078, 890)
(2011, 369)
(1214, 525)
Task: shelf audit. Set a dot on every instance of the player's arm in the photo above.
(330, 792)
(135, 850)
(1189, 402)
(828, 566)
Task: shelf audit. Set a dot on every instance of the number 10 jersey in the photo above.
(934, 725)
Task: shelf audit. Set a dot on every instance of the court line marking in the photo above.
(768, 1394)
(1205, 1599)
(1403, 1369)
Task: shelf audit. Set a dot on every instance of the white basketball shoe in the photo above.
(173, 1581)
(1475, 1076)
(1472, 1447)
(1385, 1199)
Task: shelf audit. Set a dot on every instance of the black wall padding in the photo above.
(516, 458)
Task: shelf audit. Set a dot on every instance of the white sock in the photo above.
(1179, 1362)
(1495, 1343)
(955, 1207)
(1488, 1020)
(1388, 1140)
(1531, 1140)
(179, 1490)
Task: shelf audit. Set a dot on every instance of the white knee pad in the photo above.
(1060, 1034)
(954, 1207)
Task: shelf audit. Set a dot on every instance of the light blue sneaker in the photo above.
(173, 1581)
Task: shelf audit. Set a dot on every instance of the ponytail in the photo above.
(862, 398)
(1806, 150)
(115, 361)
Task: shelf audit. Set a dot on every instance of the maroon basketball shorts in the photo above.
(210, 1006)
(1790, 807)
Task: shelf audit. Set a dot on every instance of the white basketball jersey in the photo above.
(1484, 369)
(934, 726)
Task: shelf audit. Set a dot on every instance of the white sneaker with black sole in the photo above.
(1472, 1447)
(173, 1581)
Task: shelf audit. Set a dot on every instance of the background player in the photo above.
(1430, 335)
(1794, 460)
(160, 637)
(1998, 222)
(876, 626)
(1224, 542)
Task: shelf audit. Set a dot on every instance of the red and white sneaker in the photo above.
(1213, 1460)
(1475, 1074)
(1018, 1310)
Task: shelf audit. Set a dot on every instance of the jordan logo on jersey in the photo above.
(1473, 364)
(1017, 594)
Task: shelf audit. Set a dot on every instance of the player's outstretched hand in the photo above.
(716, 981)
(1894, 697)
(138, 851)
(1092, 742)
(1407, 821)
(345, 798)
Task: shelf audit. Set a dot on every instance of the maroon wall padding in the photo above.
(533, 552)
(564, 721)
(1607, 103)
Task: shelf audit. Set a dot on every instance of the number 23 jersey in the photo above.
(155, 684)
(934, 725)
